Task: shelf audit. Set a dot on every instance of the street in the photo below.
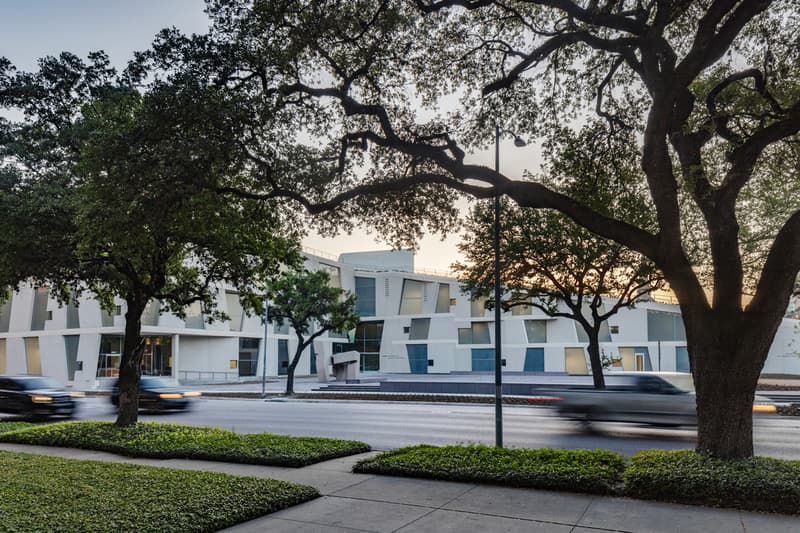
(385, 425)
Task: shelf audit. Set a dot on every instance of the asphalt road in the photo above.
(386, 425)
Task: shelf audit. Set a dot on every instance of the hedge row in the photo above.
(755, 483)
(49, 494)
(175, 441)
(593, 471)
(758, 483)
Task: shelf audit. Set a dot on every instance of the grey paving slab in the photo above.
(354, 514)
(529, 504)
(279, 525)
(770, 523)
(325, 481)
(409, 491)
(653, 517)
(593, 530)
(443, 521)
(342, 464)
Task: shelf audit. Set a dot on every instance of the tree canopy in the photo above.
(111, 191)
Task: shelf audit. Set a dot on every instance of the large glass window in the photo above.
(109, 357)
(662, 326)
(536, 330)
(521, 309)
(248, 356)
(367, 342)
(365, 292)
(412, 297)
(417, 358)
(443, 298)
(282, 327)
(482, 360)
(39, 308)
(33, 356)
(419, 328)
(235, 312)
(283, 357)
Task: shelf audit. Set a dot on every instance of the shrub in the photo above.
(5, 427)
(596, 471)
(175, 441)
(44, 494)
(755, 483)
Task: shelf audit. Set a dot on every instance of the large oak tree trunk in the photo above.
(727, 353)
(130, 365)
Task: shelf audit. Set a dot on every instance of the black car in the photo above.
(36, 397)
(158, 394)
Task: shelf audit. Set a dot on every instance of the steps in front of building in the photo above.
(350, 387)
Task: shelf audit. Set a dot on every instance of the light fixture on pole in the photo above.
(498, 357)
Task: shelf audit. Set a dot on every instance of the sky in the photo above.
(30, 29)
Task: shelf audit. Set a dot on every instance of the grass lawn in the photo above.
(171, 441)
(49, 494)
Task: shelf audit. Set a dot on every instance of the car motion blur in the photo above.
(159, 394)
(650, 398)
(36, 397)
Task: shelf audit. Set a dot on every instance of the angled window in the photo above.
(73, 317)
(536, 330)
(464, 335)
(412, 297)
(39, 316)
(151, 313)
(522, 309)
(419, 329)
(443, 298)
(662, 326)
(33, 356)
(71, 343)
(478, 307)
(194, 316)
(236, 314)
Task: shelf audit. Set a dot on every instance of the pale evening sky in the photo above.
(30, 29)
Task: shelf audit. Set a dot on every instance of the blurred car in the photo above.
(35, 397)
(158, 393)
(652, 398)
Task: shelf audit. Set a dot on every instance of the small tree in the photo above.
(311, 306)
(546, 259)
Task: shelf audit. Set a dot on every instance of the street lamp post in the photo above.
(264, 363)
(498, 356)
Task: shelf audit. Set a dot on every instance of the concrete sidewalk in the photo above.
(365, 503)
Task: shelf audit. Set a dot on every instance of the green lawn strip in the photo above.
(50, 494)
(171, 441)
(756, 483)
(591, 471)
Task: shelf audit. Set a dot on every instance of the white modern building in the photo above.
(412, 322)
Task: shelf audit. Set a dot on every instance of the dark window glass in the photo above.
(536, 330)
(365, 294)
(443, 298)
(39, 308)
(71, 347)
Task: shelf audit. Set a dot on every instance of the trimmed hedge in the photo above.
(46, 494)
(5, 427)
(756, 483)
(592, 471)
(175, 441)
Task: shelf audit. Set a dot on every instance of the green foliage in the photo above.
(44, 494)
(755, 483)
(312, 306)
(596, 472)
(169, 441)
(5, 427)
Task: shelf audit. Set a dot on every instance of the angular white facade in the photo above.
(411, 323)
